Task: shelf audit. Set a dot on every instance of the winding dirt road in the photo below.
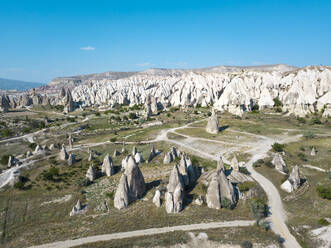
(145, 232)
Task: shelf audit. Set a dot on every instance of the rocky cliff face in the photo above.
(301, 91)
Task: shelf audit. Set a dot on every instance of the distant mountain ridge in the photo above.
(11, 84)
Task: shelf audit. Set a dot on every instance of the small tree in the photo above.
(278, 147)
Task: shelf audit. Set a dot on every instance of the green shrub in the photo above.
(302, 156)
(6, 132)
(32, 146)
(323, 222)
(308, 134)
(209, 113)
(198, 105)
(226, 203)
(258, 208)
(324, 191)
(330, 174)
(243, 187)
(133, 116)
(316, 121)
(278, 110)
(301, 120)
(195, 112)
(4, 159)
(256, 107)
(51, 173)
(113, 139)
(277, 102)
(19, 185)
(244, 170)
(278, 147)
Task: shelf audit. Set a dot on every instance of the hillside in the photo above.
(10, 84)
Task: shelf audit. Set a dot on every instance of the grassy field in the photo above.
(26, 218)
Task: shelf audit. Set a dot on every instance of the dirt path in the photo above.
(145, 232)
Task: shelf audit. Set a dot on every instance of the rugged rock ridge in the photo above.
(301, 91)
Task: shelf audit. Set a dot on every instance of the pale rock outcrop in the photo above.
(234, 90)
(124, 162)
(4, 103)
(295, 177)
(90, 157)
(293, 182)
(71, 159)
(11, 161)
(70, 141)
(52, 147)
(313, 152)
(151, 155)
(138, 157)
(199, 201)
(76, 209)
(183, 171)
(63, 154)
(121, 199)
(28, 154)
(107, 167)
(220, 187)
(157, 198)
(279, 163)
(91, 173)
(174, 196)
(131, 187)
(174, 152)
(220, 164)
(167, 158)
(45, 148)
(116, 153)
(123, 150)
(134, 151)
(234, 163)
(38, 149)
(136, 181)
(212, 124)
(191, 170)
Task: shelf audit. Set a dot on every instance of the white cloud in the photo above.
(88, 48)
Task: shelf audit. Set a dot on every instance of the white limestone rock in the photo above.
(174, 196)
(234, 90)
(107, 167)
(212, 125)
(234, 163)
(116, 153)
(157, 198)
(167, 158)
(220, 187)
(71, 159)
(91, 173)
(38, 150)
(121, 199)
(77, 209)
(279, 163)
(63, 154)
(139, 158)
(313, 152)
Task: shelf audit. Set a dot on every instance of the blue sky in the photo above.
(44, 39)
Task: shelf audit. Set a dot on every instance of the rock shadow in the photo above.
(223, 128)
